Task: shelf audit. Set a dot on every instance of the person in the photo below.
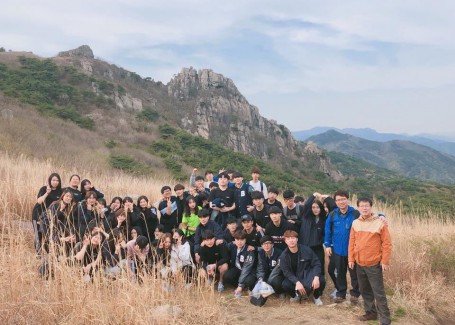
(163, 258)
(74, 188)
(197, 182)
(114, 253)
(329, 206)
(208, 178)
(85, 213)
(292, 211)
(222, 200)
(272, 198)
(256, 183)
(168, 210)
(89, 253)
(180, 199)
(132, 215)
(336, 241)
(214, 259)
(206, 224)
(260, 212)
(137, 251)
(181, 260)
(301, 269)
(252, 236)
(277, 227)
(148, 218)
(311, 232)
(122, 223)
(135, 232)
(47, 194)
(231, 227)
(159, 231)
(190, 219)
(299, 199)
(268, 258)
(116, 204)
(100, 219)
(242, 196)
(370, 248)
(86, 186)
(242, 273)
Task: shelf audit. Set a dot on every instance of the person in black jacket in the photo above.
(205, 225)
(301, 269)
(268, 258)
(86, 186)
(277, 227)
(169, 210)
(74, 188)
(241, 273)
(148, 219)
(85, 213)
(252, 236)
(231, 227)
(132, 215)
(214, 259)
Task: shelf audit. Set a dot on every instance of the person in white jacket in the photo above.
(181, 260)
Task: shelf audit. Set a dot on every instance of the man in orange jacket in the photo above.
(370, 248)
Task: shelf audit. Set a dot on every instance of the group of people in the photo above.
(227, 231)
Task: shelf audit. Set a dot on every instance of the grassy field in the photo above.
(420, 283)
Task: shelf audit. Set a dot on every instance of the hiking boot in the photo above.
(318, 301)
(368, 316)
(354, 299)
(339, 299)
(220, 287)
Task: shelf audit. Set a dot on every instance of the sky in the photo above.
(386, 65)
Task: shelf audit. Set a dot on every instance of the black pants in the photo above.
(319, 251)
(289, 287)
(331, 270)
(276, 282)
(341, 264)
(232, 276)
(371, 286)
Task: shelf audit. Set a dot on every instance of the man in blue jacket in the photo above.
(301, 269)
(336, 242)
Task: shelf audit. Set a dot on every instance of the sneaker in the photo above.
(281, 296)
(333, 294)
(318, 301)
(368, 316)
(220, 287)
(354, 299)
(295, 299)
(339, 299)
(237, 295)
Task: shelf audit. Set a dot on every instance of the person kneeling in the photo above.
(301, 269)
(241, 273)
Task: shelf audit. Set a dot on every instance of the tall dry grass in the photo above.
(416, 287)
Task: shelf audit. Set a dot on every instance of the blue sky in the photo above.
(388, 65)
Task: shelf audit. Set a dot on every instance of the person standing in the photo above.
(370, 249)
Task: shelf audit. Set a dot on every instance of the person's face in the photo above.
(133, 233)
(128, 205)
(157, 233)
(316, 209)
(272, 196)
(258, 202)
(167, 243)
(209, 242)
(116, 204)
(143, 203)
(199, 183)
(209, 177)
(167, 194)
(223, 181)
(275, 217)
(67, 198)
(54, 182)
(267, 246)
(364, 208)
(239, 243)
(247, 225)
(179, 192)
(176, 237)
(101, 205)
(88, 186)
(232, 226)
(91, 200)
(289, 202)
(96, 240)
(121, 218)
(301, 203)
(255, 176)
(74, 181)
(342, 202)
(326, 208)
(192, 204)
(204, 220)
(238, 181)
(291, 241)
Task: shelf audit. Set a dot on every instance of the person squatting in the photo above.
(229, 232)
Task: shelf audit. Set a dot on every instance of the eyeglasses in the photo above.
(267, 243)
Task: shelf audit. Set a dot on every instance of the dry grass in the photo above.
(419, 289)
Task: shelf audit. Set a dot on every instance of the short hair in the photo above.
(365, 199)
(199, 178)
(208, 172)
(127, 199)
(274, 190)
(89, 194)
(179, 187)
(160, 227)
(255, 170)
(142, 241)
(288, 194)
(165, 188)
(224, 175)
(203, 213)
(208, 234)
(255, 195)
(299, 198)
(240, 234)
(265, 239)
(230, 220)
(290, 233)
(237, 174)
(213, 184)
(75, 175)
(342, 193)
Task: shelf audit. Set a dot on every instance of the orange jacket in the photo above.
(369, 242)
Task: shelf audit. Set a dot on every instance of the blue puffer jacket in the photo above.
(338, 228)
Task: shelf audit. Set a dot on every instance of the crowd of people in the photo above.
(224, 230)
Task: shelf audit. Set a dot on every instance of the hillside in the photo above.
(404, 157)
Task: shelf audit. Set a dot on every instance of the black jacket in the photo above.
(311, 233)
(266, 264)
(211, 225)
(278, 232)
(246, 260)
(215, 254)
(147, 221)
(308, 266)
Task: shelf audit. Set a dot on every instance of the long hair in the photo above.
(322, 214)
(59, 186)
(187, 210)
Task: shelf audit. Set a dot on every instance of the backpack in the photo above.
(297, 210)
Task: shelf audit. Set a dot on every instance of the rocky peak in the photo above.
(83, 51)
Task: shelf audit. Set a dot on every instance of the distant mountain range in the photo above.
(443, 144)
(404, 157)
